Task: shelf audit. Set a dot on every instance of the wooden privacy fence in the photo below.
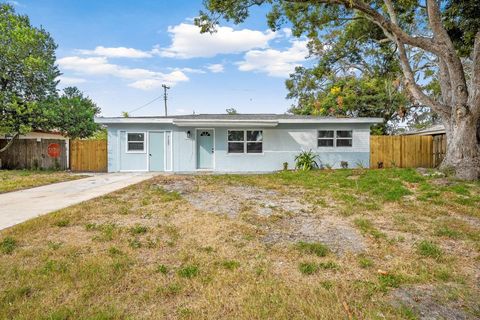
(34, 154)
(401, 151)
(439, 148)
(88, 155)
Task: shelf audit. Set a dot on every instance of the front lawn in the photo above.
(13, 180)
(345, 244)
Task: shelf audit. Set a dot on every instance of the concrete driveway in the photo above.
(20, 206)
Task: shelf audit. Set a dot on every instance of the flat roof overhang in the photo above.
(234, 122)
(224, 123)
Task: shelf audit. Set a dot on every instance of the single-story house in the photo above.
(233, 143)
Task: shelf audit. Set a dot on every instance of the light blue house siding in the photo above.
(281, 143)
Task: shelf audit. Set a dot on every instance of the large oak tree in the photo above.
(446, 31)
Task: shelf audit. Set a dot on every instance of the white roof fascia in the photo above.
(132, 120)
(223, 123)
(333, 120)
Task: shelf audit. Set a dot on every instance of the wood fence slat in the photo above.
(88, 155)
(407, 151)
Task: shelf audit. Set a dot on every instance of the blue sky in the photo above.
(120, 52)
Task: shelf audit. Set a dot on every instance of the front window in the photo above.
(335, 138)
(325, 138)
(344, 138)
(135, 142)
(245, 141)
(236, 141)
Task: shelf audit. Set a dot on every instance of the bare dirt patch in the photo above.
(431, 302)
(335, 232)
(233, 199)
(301, 223)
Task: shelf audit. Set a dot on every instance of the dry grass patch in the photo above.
(154, 250)
(14, 180)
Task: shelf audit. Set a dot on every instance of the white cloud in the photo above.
(215, 68)
(66, 81)
(189, 70)
(117, 52)
(188, 42)
(275, 63)
(143, 79)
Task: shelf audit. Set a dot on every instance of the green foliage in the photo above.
(367, 227)
(429, 249)
(462, 23)
(138, 229)
(74, 114)
(389, 280)
(316, 248)
(163, 269)
(357, 71)
(306, 161)
(7, 245)
(230, 264)
(27, 74)
(308, 268)
(231, 111)
(188, 271)
(62, 223)
(28, 94)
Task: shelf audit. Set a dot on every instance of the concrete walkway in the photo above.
(20, 206)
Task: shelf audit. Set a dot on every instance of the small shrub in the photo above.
(8, 245)
(308, 268)
(344, 164)
(138, 229)
(316, 248)
(429, 249)
(188, 271)
(62, 223)
(285, 166)
(230, 264)
(306, 161)
(163, 269)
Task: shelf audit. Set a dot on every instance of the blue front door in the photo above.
(156, 150)
(205, 149)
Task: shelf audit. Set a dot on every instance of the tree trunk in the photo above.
(463, 148)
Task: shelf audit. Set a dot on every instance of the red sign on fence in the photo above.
(54, 150)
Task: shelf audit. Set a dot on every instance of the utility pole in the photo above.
(165, 88)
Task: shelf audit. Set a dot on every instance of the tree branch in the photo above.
(452, 60)
(410, 82)
(445, 83)
(10, 142)
(475, 87)
(425, 43)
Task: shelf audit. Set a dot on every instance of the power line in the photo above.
(146, 104)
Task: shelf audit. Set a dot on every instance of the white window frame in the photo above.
(245, 142)
(335, 138)
(144, 142)
(343, 138)
(332, 138)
